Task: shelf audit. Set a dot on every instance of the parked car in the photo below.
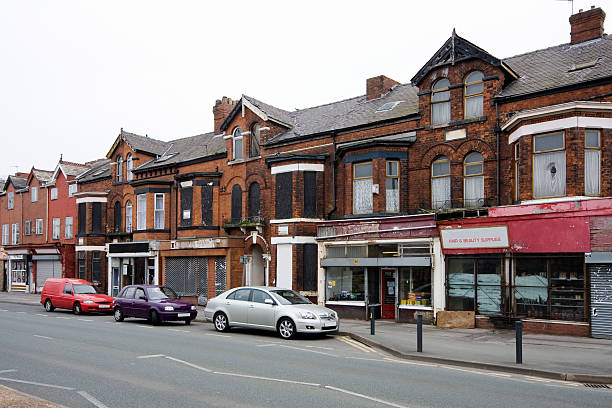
(76, 294)
(270, 308)
(153, 302)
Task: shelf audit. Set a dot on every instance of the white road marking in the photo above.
(268, 379)
(355, 344)
(7, 371)
(144, 327)
(391, 404)
(20, 312)
(152, 356)
(85, 320)
(322, 348)
(179, 330)
(218, 335)
(91, 399)
(309, 351)
(61, 387)
(419, 364)
(3, 310)
(197, 367)
(43, 337)
(41, 314)
(62, 317)
(267, 345)
(500, 374)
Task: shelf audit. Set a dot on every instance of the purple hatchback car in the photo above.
(153, 302)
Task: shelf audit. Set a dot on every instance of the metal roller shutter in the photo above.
(187, 276)
(601, 300)
(46, 270)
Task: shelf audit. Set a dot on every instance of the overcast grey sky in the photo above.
(72, 73)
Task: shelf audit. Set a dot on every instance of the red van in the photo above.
(76, 294)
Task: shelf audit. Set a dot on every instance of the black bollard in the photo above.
(519, 342)
(420, 333)
(372, 319)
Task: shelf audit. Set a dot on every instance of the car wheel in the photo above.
(49, 306)
(221, 322)
(76, 308)
(286, 328)
(118, 315)
(154, 318)
(188, 322)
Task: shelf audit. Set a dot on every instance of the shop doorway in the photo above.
(389, 292)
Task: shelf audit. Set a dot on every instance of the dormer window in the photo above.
(474, 89)
(237, 137)
(440, 102)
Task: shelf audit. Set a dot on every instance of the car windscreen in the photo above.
(289, 297)
(160, 293)
(84, 290)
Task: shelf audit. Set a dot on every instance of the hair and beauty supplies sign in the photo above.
(475, 238)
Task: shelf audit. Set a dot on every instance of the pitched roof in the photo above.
(187, 149)
(144, 143)
(44, 176)
(560, 66)
(99, 170)
(17, 182)
(350, 113)
(72, 169)
(272, 112)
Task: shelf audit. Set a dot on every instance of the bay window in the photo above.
(141, 211)
(392, 187)
(159, 211)
(592, 163)
(362, 188)
(128, 216)
(549, 165)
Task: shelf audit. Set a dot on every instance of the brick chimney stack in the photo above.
(378, 86)
(587, 25)
(223, 107)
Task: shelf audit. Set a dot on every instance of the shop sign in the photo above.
(475, 238)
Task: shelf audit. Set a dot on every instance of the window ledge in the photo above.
(243, 160)
(345, 303)
(457, 123)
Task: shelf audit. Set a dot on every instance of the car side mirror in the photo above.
(268, 301)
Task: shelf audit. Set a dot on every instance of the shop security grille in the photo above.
(601, 300)
(220, 273)
(182, 273)
(202, 276)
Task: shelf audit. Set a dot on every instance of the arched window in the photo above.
(237, 137)
(236, 215)
(474, 89)
(473, 180)
(128, 216)
(129, 166)
(117, 216)
(119, 169)
(440, 183)
(254, 201)
(440, 102)
(255, 140)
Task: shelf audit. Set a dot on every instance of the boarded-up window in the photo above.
(207, 205)
(96, 218)
(117, 216)
(236, 203)
(284, 195)
(82, 218)
(310, 194)
(310, 267)
(254, 199)
(186, 206)
(96, 268)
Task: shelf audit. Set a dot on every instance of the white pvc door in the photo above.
(284, 266)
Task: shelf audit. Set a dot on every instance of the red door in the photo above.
(388, 293)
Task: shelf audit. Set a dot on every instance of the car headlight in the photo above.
(308, 315)
(168, 308)
(193, 308)
(88, 302)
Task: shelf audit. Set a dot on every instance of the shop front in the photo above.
(387, 263)
(529, 267)
(19, 271)
(131, 263)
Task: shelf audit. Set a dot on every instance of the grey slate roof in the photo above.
(72, 169)
(18, 182)
(551, 68)
(272, 112)
(44, 176)
(143, 143)
(350, 113)
(187, 149)
(100, 170)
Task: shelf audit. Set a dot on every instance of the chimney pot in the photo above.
(587, 25)
(223, 107)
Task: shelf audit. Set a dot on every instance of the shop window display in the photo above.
(475, 284)
(415, 286)
(345, 284)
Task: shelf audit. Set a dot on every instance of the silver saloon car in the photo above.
(270, 308)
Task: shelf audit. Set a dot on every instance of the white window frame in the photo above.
(56, 229)
(159, 212)
(72, 189)
(34, 194)
(10, 200)
(439, 91)
(466, 177)
(128, 216)
(27, 227)
(237, 136)
(516, 172)
(592, 149)
(141, 212)
(119, 169)
(5, 234)
(129, 166)
(434, 202)
(68, 222)
(39, 226)
(472, 96)
(358, 180)
(54, 193)
(15, 234)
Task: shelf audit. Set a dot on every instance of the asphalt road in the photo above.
(92, 361)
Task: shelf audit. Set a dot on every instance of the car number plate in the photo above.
(184, 314)
(104, 306)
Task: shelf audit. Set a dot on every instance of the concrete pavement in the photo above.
(558, 357)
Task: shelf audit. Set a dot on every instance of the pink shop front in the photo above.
(539, 263)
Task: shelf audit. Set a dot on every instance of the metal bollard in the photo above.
(420, 333)
(372, 319)
(519, 342)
